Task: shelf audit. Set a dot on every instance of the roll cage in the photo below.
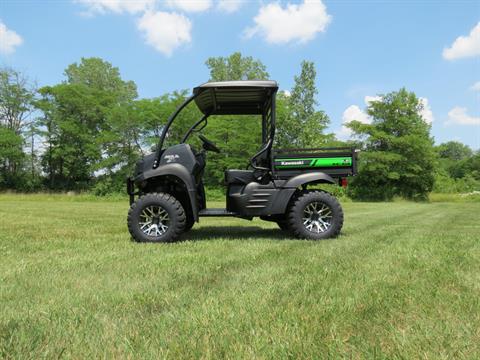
(248, 97)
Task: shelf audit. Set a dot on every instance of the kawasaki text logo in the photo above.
(291, 163)
(171, 158)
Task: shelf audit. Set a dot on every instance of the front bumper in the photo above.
(131, 189)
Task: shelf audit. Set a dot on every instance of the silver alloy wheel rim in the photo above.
(154, 220)
(317, 217)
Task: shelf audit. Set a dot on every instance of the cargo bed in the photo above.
(337, 162)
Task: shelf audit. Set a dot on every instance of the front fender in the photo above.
(309, 178)
(180, 172)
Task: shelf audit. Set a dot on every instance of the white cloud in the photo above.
(230, 6)
(9, 39)
(165, 31)
(458, 115)
(426, 113)
(476, 86)
(464, 46)
(344, 133)
(190, 5)
(294, 23)
(353, 112)
(117, 6)
(370, 99)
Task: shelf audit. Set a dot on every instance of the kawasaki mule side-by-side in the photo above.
(167, 194)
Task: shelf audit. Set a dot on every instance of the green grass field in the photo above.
(402, 281)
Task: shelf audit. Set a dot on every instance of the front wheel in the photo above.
(283, 225)
(156, 217)
(315, 215)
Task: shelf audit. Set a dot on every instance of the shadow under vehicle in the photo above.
(167, 194)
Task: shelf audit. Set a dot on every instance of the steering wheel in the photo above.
(208, 145)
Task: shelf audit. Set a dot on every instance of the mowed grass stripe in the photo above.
(396, 284)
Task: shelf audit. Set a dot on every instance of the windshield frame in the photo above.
(167, 126)
(268, 121)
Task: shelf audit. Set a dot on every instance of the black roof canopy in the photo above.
(234, 97)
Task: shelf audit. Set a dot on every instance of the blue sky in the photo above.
(360, 48)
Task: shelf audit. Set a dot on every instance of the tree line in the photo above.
(87, 133)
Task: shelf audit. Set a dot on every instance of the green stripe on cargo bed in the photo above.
(313, 162)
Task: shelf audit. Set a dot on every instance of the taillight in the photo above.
(343, 182)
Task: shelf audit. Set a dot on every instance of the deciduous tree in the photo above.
(236, 67)
(79, 123)
(16, 99)
(398, 157)
(299, 122)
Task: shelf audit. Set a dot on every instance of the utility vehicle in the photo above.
(167, 193)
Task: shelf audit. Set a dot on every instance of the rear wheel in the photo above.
(315, 215)
(156, 217)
